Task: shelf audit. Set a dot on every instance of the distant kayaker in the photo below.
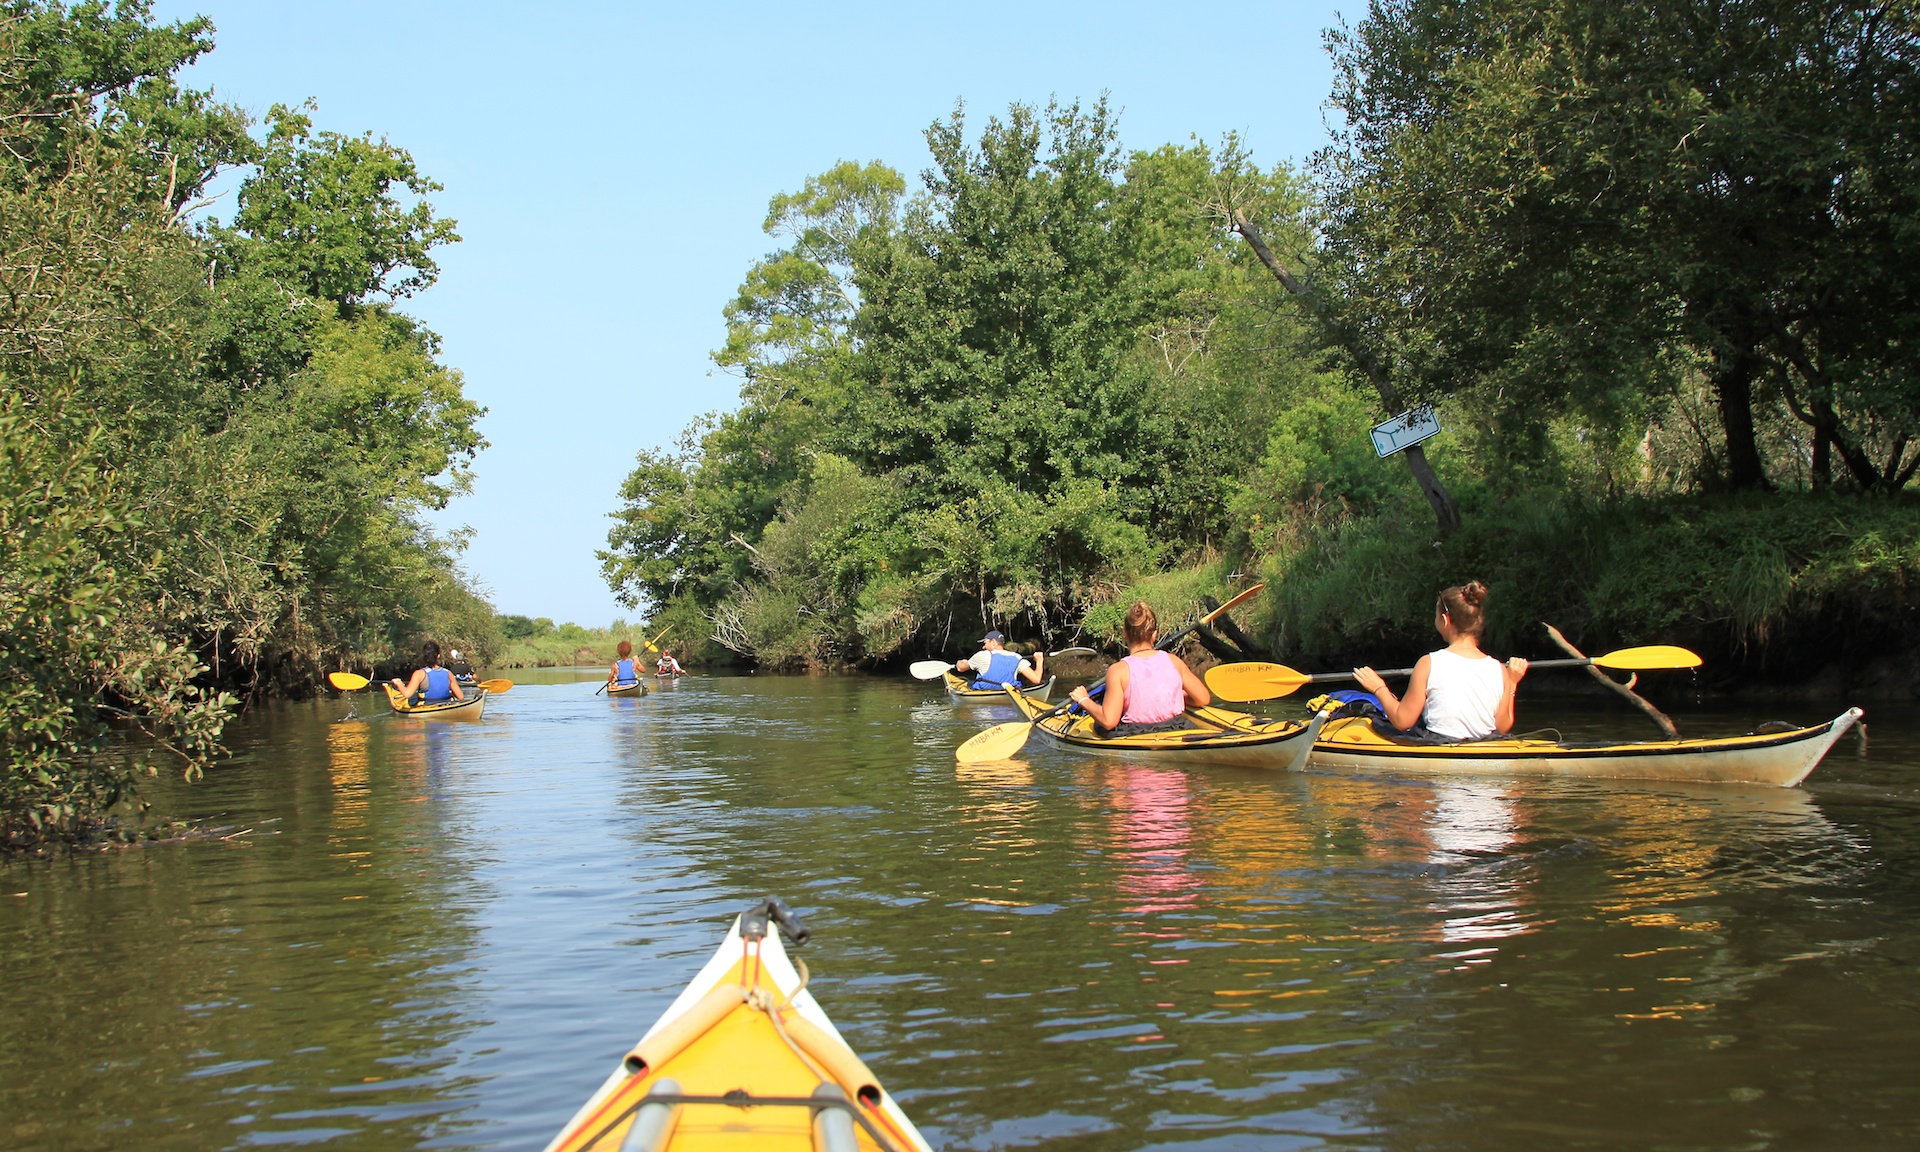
(1459, 692)
(995, 667)
(623, 673)
(1149, 689)
(429, 682)
(456, 664)
(668, 666)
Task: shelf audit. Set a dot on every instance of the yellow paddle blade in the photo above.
(1242, 598)
(347, 681)
(496, 687)
(1252, 680)
(997, 743)
(1649, 658)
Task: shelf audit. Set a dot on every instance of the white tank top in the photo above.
(1462, 695)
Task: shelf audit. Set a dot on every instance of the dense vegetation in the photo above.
(218, 439)
(1653, 267)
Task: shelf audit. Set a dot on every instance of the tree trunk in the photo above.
(1445, 512)
(1822, 460)
(1816, 411)
(1733, 383)
(1227, 628)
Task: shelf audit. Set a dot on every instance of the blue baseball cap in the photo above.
(994, 635)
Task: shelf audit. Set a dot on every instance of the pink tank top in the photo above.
(1153, 690)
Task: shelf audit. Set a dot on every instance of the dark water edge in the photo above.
(444, 935)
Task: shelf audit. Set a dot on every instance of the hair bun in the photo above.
(1474, 593)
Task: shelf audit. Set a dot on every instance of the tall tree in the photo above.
(329, 225)
(1549, 208)
(993, 320)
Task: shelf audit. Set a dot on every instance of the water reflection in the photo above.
(1151, 838)
(1475, 894)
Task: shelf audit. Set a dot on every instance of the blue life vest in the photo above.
(439, 684)
(624, 672)
(1002, 669)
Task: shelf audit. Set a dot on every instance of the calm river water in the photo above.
(443, 936)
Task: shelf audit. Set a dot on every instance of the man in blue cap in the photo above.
(995, 667)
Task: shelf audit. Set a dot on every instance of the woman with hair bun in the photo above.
(1459, 692)
(1148, 690)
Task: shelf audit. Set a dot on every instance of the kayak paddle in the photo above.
(348, 682)
(1003, 740)
(1258, 681)
(934, 669)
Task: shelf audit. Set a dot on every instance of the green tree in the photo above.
(993, 320)
(1049, 372)
(68, 60)
(323, 210)
(1547, 209)
(215, 479)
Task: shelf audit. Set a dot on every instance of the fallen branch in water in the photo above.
(1626, 690)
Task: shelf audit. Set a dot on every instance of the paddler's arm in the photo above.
(1196, 689)
(453, 682)
(1030, 667)
(1511, 673)
(1107, 710)
(1401, 712)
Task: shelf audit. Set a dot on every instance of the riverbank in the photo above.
(1783, 594)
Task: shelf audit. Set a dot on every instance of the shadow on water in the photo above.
(443, 935)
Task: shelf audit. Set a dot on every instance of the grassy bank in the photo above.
(1780, 589)
(537, 642)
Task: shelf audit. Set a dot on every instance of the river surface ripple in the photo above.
(444, 935)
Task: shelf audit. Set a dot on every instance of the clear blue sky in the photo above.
(610, 166)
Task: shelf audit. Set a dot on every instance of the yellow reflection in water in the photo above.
(347, 764)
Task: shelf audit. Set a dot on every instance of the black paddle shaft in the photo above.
(1321, 677)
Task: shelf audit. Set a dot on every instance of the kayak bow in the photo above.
(744, 1059)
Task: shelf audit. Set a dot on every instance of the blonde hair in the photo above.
(1461, 605)
(1141, 623)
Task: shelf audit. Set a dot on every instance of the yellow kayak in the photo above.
(1781, 757)
(468, 709)
(1213, 736)
(961, 688)
(743, 1060)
